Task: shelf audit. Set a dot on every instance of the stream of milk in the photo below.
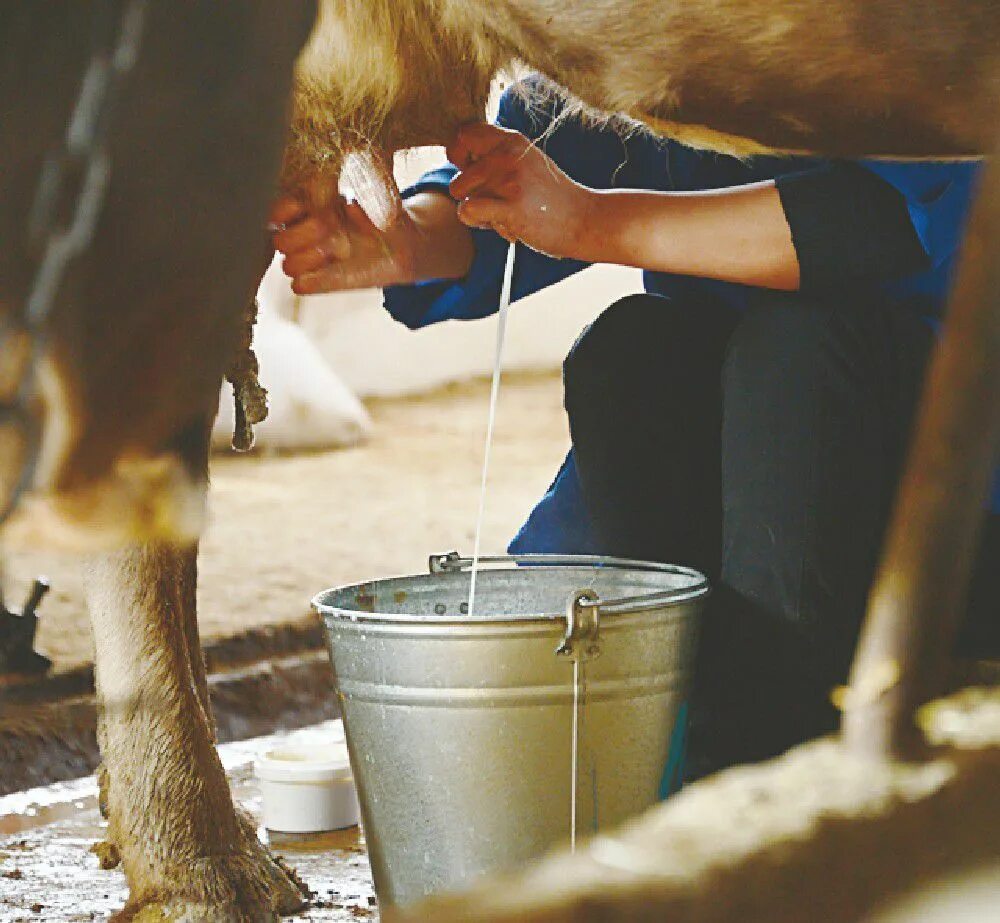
(508, 275)
(578, 680)
(574, 772)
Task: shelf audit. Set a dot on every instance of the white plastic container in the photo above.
(307, 788)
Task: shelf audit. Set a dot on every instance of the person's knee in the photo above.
(617, 336)
(648, 345)
(779, 339)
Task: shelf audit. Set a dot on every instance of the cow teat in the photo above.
(369, 179)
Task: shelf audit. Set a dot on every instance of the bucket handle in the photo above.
(581, 640)
(452, 562)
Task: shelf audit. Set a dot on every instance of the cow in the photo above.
(111, 386)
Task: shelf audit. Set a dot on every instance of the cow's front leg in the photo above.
(186, 852)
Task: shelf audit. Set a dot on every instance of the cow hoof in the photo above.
(249, 888)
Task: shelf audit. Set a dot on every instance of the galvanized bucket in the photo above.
(460, 728)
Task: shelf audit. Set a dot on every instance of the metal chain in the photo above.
(76, 173)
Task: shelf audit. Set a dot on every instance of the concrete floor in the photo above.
(47, 872)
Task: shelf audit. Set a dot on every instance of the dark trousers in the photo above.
(763, 448)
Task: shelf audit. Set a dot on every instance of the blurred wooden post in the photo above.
(932, 541)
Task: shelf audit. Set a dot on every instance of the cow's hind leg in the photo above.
(187, 853)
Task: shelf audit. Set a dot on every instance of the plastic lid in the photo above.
(320, 735)
(296, 763)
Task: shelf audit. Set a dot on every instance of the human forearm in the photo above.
(736, 235)
(441, 246)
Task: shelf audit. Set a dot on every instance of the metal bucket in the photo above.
(460, 728)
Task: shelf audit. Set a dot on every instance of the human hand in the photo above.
(339, 248)
(508, 184)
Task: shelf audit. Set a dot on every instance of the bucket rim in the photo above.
(452, 563)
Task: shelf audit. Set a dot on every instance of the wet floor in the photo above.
(48, 873)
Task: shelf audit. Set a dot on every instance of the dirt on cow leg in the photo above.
(105, 850)
(186, 852)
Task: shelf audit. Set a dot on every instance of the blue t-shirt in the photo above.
(937, 196)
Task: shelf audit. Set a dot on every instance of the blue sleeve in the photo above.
(477, 294)
(938, 196)
(849, 226)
